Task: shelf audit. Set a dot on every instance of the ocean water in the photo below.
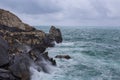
(95, 55)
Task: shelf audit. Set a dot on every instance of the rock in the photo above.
(44, 62)
(56, 34)
(21, 65)
(34, 54)
(36, 39)
(47, 58)
(49, 40)
(4, 56)
(53, 62)
(63, 56)
(4, 74)
(9, 19)
(21, 45)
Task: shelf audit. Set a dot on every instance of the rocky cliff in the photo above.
(22, 45)
(9, 19)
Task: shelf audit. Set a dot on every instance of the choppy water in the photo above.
(95, 55)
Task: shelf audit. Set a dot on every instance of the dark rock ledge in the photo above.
(21, 45)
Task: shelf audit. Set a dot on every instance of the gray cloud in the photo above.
(65, 12)
(31, 6)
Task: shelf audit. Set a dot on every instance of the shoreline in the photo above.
(23, 45)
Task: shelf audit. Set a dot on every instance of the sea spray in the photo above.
(95, 55)
(38, 73)
(41, 69)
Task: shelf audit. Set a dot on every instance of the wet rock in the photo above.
(53, 62)
(4, 56)
(63, 56)
(47, 58)
(49, 40)
(43, 65)
(21, 65)
(4, 74)
(56, 34)
(44, 62)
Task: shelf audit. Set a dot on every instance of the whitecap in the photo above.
(66, 44)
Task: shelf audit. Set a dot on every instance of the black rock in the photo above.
(63, 56)
(56, 33)
(21, 65)
(4, 56)
(4, 74)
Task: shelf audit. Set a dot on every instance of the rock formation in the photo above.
(63, 56)
(21, 45)
(56, 33)
(9, 19)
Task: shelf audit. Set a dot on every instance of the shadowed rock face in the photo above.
(56, 34)
(21, 65)
(4, 56)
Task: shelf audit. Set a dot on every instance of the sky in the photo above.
(65, 12)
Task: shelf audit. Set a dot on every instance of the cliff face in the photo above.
(21, 45)
(9, 19)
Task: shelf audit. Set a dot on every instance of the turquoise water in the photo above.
(95, 55)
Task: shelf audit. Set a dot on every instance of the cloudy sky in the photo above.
(66, 12)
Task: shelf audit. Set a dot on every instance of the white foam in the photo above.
(36, 75)
(66, 44)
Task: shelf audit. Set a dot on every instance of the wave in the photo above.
(36, 75)
(65, 44)
(95, 56)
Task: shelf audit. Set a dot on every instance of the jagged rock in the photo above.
(49, 40)
(56, 33)
(26, 45)
(51, 60)
(63, 56)
(38, 39)
(9, 19)
(4, 74)
(4, 56)
(21, 65)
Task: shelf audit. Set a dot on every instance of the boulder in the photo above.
(4, 56)
(56, 34)
(4, 74)
(20, 67)
(63, 56)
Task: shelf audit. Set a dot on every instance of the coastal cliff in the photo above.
(22, 45)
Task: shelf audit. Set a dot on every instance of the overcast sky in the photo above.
(66, 12)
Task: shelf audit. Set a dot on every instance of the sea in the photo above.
(94, 51)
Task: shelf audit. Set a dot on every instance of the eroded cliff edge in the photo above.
(22, 45)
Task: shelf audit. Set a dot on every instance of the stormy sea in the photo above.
(94, 51)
